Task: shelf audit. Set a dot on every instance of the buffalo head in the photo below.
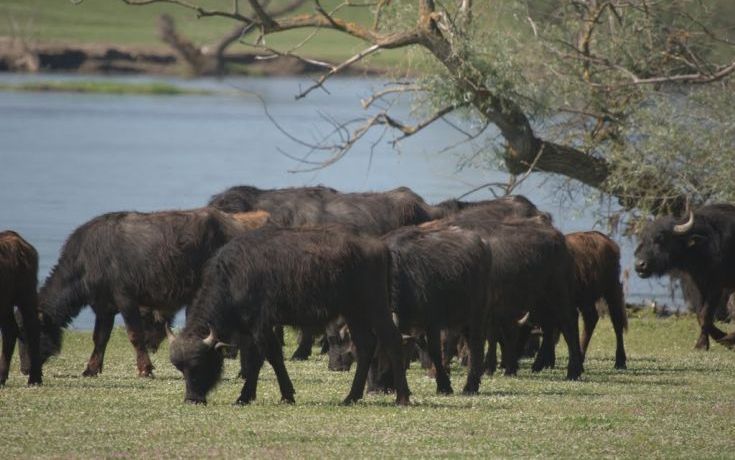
(200, 360)
(666, 244)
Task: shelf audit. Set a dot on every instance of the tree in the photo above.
(633, 98)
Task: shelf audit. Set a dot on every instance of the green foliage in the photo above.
(672, 402)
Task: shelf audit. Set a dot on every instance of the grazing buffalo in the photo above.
(531, 273)
(440, 281)
(702, 247)
(371, 213)
(596, 260)
(300, 277)
(18, 283)
(120, 261)
(289, 207)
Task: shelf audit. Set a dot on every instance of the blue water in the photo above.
(65, 158)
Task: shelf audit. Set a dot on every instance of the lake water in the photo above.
(65, 158)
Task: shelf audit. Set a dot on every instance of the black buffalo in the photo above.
(371, 213)
(441, 281)
(300, 277)
(531, 273)
(121, 261)
(18, 283)
(702, 247)
(507, 207)
(290, 207)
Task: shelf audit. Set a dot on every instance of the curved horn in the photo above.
(686, 226)
(221, 345)
(169, 333)
(395, 318)
(211, 340)
(524, 320)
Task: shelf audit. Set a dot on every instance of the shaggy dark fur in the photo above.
(18, 283)
(119, 261)
(372, 213)
(440, 281)
(705, 252)
(289, 207)
(300, 277)
(596, 260)
(507, 207)
(531, 271)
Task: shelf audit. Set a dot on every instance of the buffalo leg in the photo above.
(365, 344)
(491, 357)
(136, 335)
(433, 338)
(546, 356)
(103, 323)
(253, 363)
(29, 312)
(10, 333)
(707, 322)
(390, 338)
(475, 342)
(570, 330)
(616, 309)
(306, 341)
(274, 355)
(589, 319)
(510, 347)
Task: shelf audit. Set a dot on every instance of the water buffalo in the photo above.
(531, 273)
(371, 213)
(702, 247)
(440, 281)
(596, 261)
(507, 207)
(119, 261)
(299, 277)
(18, 282)
(289, 207)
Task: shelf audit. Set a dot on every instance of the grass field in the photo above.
(113, 22)
(672, 402)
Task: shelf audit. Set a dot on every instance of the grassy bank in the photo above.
(672, 402)
(103, 87)
(113, 22)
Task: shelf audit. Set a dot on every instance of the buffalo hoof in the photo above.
(2, 383)
(444, 391)
(349, 401)
(702, 343)
(620, 365)
(146, 375)
(88, 372)
(242, 401)
(196, 401)
(35, 381)
(470, 391)
(403, 401)
(288, 400)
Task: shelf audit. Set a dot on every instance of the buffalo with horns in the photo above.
(120, 261)
(702, 247)
(18, 283)
(301, 277)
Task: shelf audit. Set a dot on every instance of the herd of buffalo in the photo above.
(376, 274)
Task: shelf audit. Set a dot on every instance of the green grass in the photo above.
(672, 402)
(113, 22)
(104, 87)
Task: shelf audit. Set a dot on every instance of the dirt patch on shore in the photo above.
(16, 56)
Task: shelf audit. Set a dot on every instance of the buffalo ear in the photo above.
(695, 240)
